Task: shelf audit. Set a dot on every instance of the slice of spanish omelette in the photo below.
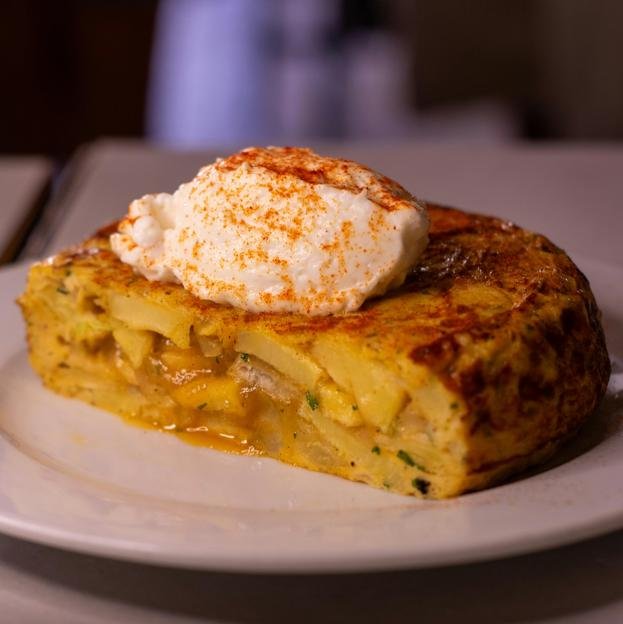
(486, 359)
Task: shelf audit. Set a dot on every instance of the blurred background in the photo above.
(205, 73)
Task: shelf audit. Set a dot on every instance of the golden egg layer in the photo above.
(486, 359)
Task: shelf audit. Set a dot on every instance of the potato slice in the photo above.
(281, 356)
(135, 343)
(210, 346)
(212, 394)
(378, 392)
(139, 313)
(176, 359)
(339, 405)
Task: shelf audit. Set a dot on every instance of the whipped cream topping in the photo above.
(278, 230)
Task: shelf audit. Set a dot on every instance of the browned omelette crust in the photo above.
(564, 369)
(501, 315)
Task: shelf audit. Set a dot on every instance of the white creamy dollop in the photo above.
(140, 239)
(278, 230)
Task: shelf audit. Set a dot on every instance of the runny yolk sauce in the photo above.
(202, 428)
(200, 437)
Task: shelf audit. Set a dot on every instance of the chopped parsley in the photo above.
(201, 406)
(421, 485)
(376, 449)
(406, 458)
(354, 407)
(244, 357)
(312, 401)
(294, 435)
(454, 405)
(61, 289)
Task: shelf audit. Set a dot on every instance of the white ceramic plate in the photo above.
(79, 478)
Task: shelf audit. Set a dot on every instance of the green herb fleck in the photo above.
(294, 435)
(63, 365)
(244, 357)
(386, 485)
(406, 458)
(421, 485)
(454, 405)
(62, 290)
(201, 406)
(354, 407)
(376, 449)
(312, 401)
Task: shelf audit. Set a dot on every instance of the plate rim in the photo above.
(142, 554)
